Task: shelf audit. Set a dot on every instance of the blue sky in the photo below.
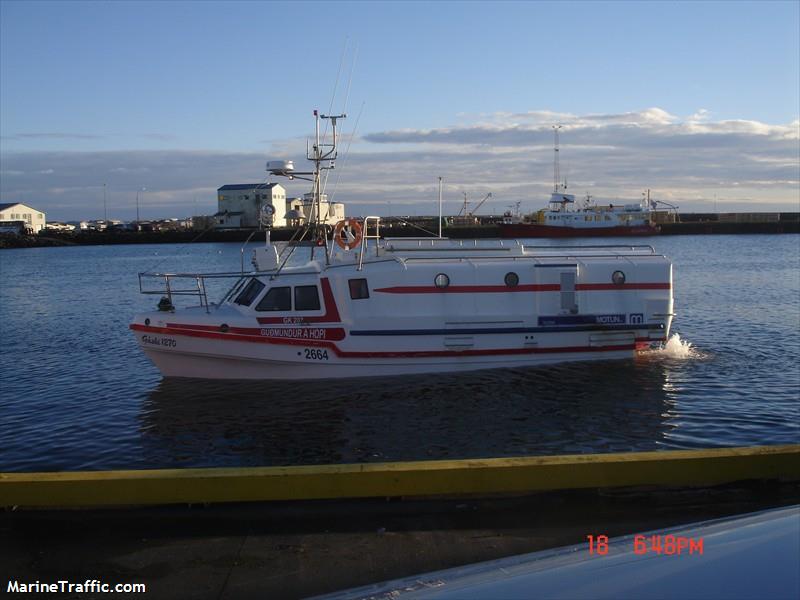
(691, 99)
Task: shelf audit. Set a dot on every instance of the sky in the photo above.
(697, 101)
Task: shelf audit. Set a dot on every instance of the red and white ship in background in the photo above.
(561, 219)
(366, 306)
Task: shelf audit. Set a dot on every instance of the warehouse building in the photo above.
(34, 220)
(239, 205)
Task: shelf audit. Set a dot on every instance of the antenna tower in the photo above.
(556, 173)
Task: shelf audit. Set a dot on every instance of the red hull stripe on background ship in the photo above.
(331, 311)
(496, 289)
(531, 230)
(390, 354)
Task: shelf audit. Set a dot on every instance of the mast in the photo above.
(556, 173)
(319, 153)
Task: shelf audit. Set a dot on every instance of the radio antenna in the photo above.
(556, 173)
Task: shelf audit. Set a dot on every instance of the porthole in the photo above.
(224, 328)
(618, 277)
(441, 280)
(511, 279)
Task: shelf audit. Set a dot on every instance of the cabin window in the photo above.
(358, 289)
(306, 297)
(249, 293)
(278, 298)
(441, 280)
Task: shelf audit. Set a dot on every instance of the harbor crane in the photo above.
(463, 210)
(485, 198)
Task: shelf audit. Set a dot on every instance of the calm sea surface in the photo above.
(76, 393)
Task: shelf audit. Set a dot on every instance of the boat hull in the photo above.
(529, 230)
(196, 355)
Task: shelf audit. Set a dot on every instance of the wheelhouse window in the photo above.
(306, 297)
(278, 298)
(249, 293)
(358, 289)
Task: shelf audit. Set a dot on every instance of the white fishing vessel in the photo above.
(366, 306)
(561, 218)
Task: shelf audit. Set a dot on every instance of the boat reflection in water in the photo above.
(613, 406)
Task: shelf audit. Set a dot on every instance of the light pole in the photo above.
(137, 204)
(105, 206)
(440, 207)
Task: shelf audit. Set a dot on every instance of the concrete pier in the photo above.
(400, 479)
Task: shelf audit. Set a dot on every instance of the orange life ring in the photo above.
(355, 230)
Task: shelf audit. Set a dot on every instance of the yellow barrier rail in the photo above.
(424, 478)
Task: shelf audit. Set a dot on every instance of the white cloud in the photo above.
(612, 156)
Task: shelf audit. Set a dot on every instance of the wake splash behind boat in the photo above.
(675, 348)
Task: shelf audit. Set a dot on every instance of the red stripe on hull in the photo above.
(624, 286)
(398, 354)
(469, 289)
(236, 334)
(497, 289)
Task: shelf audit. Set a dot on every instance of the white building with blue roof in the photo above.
(16, 212)
(239, 204)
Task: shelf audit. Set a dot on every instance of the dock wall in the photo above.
(426, 478)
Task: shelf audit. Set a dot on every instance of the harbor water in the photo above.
(76, 392)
